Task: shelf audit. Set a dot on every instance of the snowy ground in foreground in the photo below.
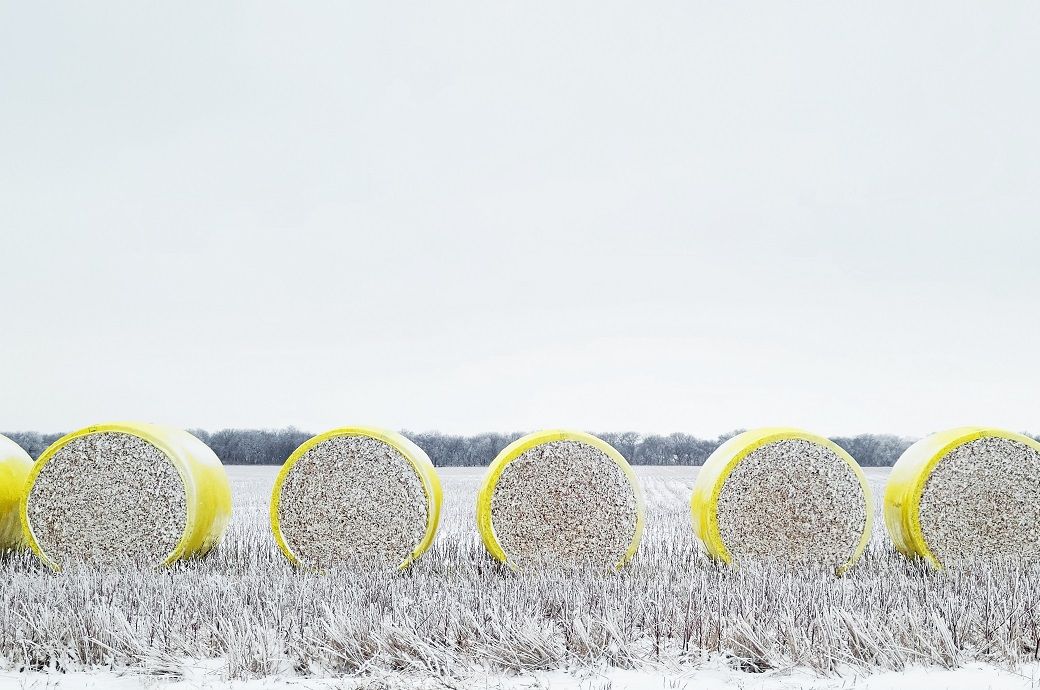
(972, 677)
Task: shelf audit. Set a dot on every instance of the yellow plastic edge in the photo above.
(521, 446)
(415, 455)
(704, 501)
(207, 491)
(15, 465)
(905, 486)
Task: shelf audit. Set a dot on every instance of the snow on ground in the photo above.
(972, 677)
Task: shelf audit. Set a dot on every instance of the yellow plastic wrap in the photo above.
(15, 465)
(909, 475)
(521, 446)
(704, 502)
(415, 455)
(205, 483)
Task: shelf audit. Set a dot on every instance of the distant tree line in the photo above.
(273, 446)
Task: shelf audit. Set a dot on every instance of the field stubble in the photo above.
(457, 612)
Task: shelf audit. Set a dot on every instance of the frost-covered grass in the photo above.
(245, 612)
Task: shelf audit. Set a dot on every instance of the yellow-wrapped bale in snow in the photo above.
(965, 495)
(125, 492)
(15, 465)
(560, 498)
(356, 496)
(782, 496)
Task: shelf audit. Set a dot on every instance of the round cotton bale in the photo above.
(356, 496)
(560, 498)
(126, 492)
(15, 465)
(782, 496)
(966, 495)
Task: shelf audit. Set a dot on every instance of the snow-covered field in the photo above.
(970, 677)
(243, 618)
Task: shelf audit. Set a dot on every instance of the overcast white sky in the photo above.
(505, 216)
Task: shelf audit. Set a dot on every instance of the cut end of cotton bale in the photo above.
(560, 499)
(126, 493)
(15, 465)
(783, 497)
(356, 497)
(967, 495)
(106, 497)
